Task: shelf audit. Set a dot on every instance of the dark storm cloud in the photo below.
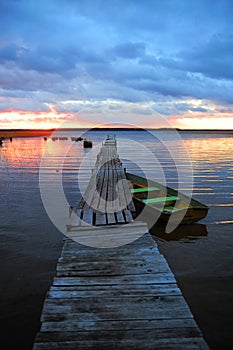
(126, 50)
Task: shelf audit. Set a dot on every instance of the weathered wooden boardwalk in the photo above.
(123, 296)
(107, 199)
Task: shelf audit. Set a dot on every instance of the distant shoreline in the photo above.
(8, 133)
(24, 133)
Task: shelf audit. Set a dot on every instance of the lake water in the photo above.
(200, 255)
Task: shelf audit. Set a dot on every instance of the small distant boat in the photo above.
(165, 201)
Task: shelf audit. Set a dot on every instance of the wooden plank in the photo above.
(122, 344)
(111, 196)
(145, 239)
(120, 217)
(87, 218)
(122, 279)
(128, 215)
(176, 328)
(87, 196)
(120, 192)
(166, 325)
(97, 267)
(126, 343)
(140, 243)
(155, 289)
(100, 218)
(98, 190)
(103, 194)
(126, 189)
(121, 255)
(111, 219)
(125, 308)
(87, 255)
(108, 236)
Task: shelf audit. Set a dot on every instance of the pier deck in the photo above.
(122, 296)
(107, 199)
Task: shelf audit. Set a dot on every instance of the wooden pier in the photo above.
(107, 199)
(115, 290)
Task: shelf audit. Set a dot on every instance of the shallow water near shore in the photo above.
(200, 255)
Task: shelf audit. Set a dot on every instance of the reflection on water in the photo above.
(226, 222)
(211, 158)
(21, 154)
(186, 233)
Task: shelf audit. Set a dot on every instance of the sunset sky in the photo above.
(151, 63)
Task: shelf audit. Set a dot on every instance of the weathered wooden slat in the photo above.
(119, 257)
(111, 219)
(120, 217)
(100, 219)
(103, 194)
(98, 190)
(143, 307)
(122, 344)
(168, 338)
(60, 329)
(111, 268)
(115, 290)
(107, 236)
(72, 254)
(128, 215)
(127, 192)
(123, 279)
(144, 241)
(127, 248)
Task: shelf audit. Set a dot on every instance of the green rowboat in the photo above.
(165, 202)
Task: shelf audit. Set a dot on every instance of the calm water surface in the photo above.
(200, 255)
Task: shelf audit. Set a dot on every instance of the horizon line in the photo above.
(109, 128)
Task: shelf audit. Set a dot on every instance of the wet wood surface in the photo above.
(120, 298)
(107, 199)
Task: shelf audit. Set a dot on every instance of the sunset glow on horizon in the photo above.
(52, 119)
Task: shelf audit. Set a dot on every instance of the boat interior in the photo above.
(157, 197)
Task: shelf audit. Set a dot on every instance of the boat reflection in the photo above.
(182, 232)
